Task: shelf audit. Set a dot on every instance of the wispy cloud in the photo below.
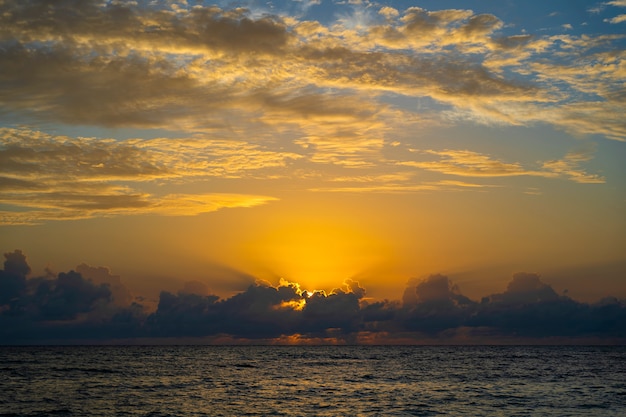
(45, 177)
(468, 164)
(617, 19)
(402, 188)
(569, 167)
(37, 208)
(472, 164)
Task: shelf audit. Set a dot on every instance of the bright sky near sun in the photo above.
(317, 141)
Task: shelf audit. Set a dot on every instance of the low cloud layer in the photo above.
(92, 305)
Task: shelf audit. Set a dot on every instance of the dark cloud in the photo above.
(15, 264)
(81, 305)
(531, 308)
(69, 296)
(184, 315)
(13, 276)
(526, 288)
(339, 310)
(434, 290)
(120, 294)
(435, 304)
(60, 306)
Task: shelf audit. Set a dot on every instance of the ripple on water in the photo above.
(300, 381)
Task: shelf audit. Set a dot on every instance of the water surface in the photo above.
(305, 381)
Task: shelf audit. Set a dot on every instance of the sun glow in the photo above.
(317, 254)
(297, 305)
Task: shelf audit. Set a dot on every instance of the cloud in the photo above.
(183, 315)
(69, 306)
(320, 95)
(403, 188)
(617, 19)
(568, 167)
(434, 305)
(61, 178)
(526, 288)
(48, 177)
(467, 163)
(531, 308)
(69, 296)
(120, 295)
(13, 276)
(195, 29)
(575, 118)
(63, 306)
(15, 264)
(112, 64)
(148, 69)
(388, 12)
(339, 310)
(435, 288)
(393, 183)
(73, 206)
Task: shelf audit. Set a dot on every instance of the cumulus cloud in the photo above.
(435, 288)
(526, 288)
(531, 308)
(15, 264)
(65, 305)
(69, 306)
(433, 305)
(13, 276)
(68, 296)
(120, 294)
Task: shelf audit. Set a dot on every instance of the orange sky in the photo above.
(332, 142)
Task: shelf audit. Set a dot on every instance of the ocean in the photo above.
(313, 381)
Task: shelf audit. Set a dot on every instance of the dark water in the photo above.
(304, 381)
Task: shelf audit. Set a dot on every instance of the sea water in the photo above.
(313, 381)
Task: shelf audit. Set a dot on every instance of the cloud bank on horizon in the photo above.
(90, 305)
(261, 94)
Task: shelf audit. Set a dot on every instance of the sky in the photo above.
(311, 149)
